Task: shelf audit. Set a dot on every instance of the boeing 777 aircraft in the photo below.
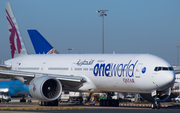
(42, 46)
(48, 75)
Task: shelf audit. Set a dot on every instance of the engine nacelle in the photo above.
(161, 95)
(45, 88)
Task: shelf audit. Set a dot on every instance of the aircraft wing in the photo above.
(16, 73)
(5, 66)
(177, 71)
(66, 80)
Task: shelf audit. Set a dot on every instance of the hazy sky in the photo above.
(131, 26)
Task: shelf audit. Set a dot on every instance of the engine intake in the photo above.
(45, 88)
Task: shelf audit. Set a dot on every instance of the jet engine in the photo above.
(161, 95)
(45, 88)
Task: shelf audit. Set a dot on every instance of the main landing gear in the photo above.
(109, 101)
(23, 99)
(51, 103)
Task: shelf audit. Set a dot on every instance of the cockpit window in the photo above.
(156, 69)
(159, 68)
(163, 69)
(171, 68)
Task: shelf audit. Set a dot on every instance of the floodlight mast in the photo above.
(177, 55)
(102, 14)
(69, 49)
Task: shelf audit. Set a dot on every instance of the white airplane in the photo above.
(48, 75)
(42, 46)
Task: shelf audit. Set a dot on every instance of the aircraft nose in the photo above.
(169, 78)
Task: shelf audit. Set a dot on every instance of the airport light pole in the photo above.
(102, 14)
(69, 49)
(177, 55)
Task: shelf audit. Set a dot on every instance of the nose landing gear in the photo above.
(156, 103)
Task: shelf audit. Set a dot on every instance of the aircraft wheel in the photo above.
(22, 100)
(158, 105)
(40, 103)
(153, 105)
(29, 101)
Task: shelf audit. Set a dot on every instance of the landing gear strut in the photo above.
(29, 99)
(109, 101)
(156, 103)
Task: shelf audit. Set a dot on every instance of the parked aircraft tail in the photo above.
(16, 42)
(41, 45)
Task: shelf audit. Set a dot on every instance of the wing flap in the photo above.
(177, 71)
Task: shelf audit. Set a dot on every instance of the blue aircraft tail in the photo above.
(41, 45)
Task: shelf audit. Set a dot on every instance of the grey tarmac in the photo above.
(97, 109)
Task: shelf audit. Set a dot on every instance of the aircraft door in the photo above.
(138, 70)
(43, 67)
(72, 69)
